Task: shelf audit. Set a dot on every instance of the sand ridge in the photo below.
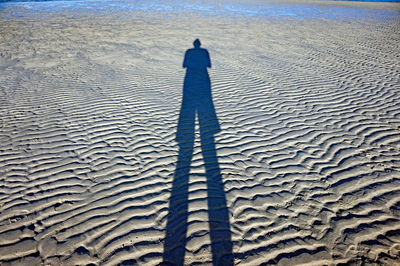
(308, 150)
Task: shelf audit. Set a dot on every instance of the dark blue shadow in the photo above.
(197, 100)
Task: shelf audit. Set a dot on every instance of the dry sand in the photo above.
(307, 96)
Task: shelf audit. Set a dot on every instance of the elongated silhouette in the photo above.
(197, 100)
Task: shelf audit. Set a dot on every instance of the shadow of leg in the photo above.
(220, 233)
(175, 239)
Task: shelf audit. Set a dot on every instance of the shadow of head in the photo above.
(197, 43)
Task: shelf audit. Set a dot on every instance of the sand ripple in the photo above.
(309, 148)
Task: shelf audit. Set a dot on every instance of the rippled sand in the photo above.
(307, 97)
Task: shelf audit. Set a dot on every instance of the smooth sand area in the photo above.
(293, 159)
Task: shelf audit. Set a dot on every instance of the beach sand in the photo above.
(300, 165)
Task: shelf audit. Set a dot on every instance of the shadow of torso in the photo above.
(197, 97)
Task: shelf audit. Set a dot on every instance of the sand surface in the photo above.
(304, 169)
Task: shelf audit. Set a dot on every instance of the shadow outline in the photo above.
(197, 101)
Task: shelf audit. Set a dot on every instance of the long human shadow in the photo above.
(197, 100)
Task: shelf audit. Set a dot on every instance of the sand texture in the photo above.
(293, 159)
